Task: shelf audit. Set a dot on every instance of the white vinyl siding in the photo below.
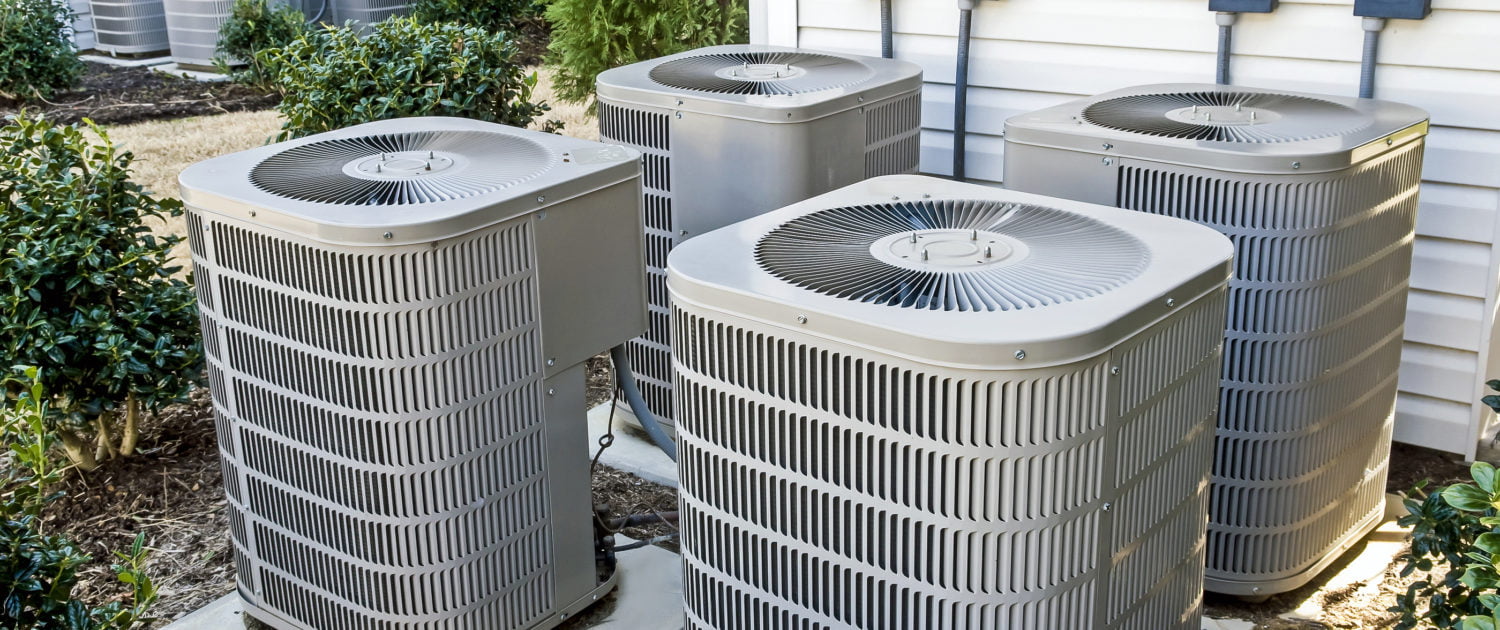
(83, 25)
(1029, 54)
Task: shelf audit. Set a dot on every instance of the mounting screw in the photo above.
(252, 213)
(1108, 161)
(926, 196)
(679, 101)
(551, 362)
(802, 319)
(679, 115)
(1114, 370)
(1390, 141)
(1108, 146)
(541, 199)
(861, 99)
(1107, 507)
(389, 236)
(551, 392)
(1296, 165)
(788, 114)
(1171, 302)
(683, 232)
(1020, 355)
(895, 198)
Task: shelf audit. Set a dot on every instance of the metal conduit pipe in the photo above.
(637, 404)
(1373, 26)
(1226, 22)
(961, 88)
(887, 35)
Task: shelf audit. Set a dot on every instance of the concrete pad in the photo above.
(1365, 571)
(633, 451)
(1227, 624)
(648, 596)
(126, 62)
(196, 75)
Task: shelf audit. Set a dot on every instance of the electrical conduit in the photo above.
(961, 88)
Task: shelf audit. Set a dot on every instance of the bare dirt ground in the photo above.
(111, 95)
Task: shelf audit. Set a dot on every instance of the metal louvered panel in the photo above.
(367, 11)
(826, 486)
(381, 423)
(129, 26)
(650, 354)
(193, 29)
(893, 142)
(1317, 309)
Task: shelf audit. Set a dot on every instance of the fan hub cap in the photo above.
(400, 165)
(950, 250)
(760, 72)
(1223, 115)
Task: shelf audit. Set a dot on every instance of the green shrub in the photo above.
(591, 36)
(335, 77)
(39, 59)
(253, 26)
(38, 572)
(495, 16)
(1456, 532)
(90, 294)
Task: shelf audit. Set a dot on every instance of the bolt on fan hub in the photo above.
(760, 72)
(400, 165)
(1224, 115)
(952, 250)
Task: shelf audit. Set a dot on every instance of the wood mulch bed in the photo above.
(113, 95)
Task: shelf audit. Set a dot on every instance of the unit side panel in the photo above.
(381, 425)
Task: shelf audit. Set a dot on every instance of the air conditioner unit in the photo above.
(367, 11)
(914, 403)
(730, 132)
(127, 27)
(396, 317)
(193, 29)
(1319, 195)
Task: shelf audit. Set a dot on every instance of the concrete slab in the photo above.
(1362, 576)
(196, 75)
(647, 597)
(632, 451)
(1227, 624)
(126, 62)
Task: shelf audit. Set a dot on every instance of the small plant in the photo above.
(1456, 531)
(38, 572)
(91, 296)
(253, 26)
(496, 16)
(591, 36)
(39, 59)
(335, 77)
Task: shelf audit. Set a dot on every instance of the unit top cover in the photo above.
(954, 273)
(403, 181)
(1224, 126)
(768, 83)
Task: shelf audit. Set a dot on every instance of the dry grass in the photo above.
(164, 148)
(575, 118)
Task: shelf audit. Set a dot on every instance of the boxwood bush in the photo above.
(591, 36)
(335, 77)
(39, 59)
(253, 26)
(90, 295)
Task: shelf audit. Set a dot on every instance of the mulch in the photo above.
(112, 95)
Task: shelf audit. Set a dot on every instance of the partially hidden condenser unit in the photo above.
(396, 317)
(193, 29)
(915, 403)
(366, 11)
(1319, 195)
(128, 27)
(730, 132)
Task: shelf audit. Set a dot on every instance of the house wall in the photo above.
(1029, 54)
(83, 25)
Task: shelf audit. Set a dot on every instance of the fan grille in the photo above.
(1059, 256)
(425, 167)
(1226, 116)
(761, 73)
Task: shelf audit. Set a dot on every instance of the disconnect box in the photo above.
(1242, 6)
(1399, 9)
